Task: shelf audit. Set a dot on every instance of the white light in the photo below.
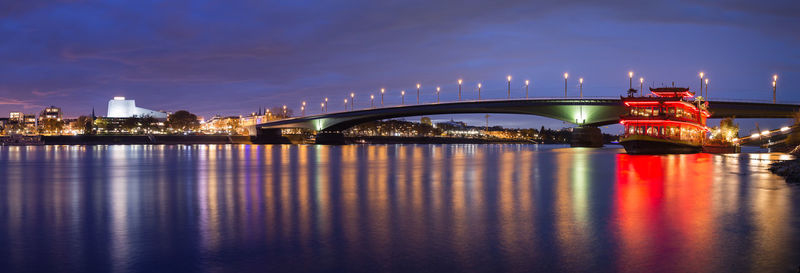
(119, 98)
(765, 133)
(784, 129)
(756, 135)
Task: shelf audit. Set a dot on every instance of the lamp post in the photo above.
(479, 91)
(774, 88)
(382, 91)
(284, 111)
(527, 83)
(402, 97)
(581, 88)
(701, 83)
(326, 104)
(303, 109)
(630, 78)
(371, 101)
(509, 86)
(459, 89)
(706, 88)
(641, 85)
(345, 104)
(437, 94)
(352, 101)
(418, 93)
(322, 107)
(566, 75)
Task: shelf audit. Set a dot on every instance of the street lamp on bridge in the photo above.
(581, 88)
(459, 89)
(326, 104)
(479, 91)
(509, 86)
(774, 87)
(418, 93)
(345, 104)
(371, 101)
(641, 85)
(527, 83)
(382, 91)
(566, 75)
(437, 93)
(322, 107)
(701, 83)
(303, 109)
(630, 78)
(706, 89)
(284, 111)
(402, 97)
(352, 101)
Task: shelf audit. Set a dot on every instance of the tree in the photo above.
(183, 121)
(51, 125)
(84, 124)
(149, 123)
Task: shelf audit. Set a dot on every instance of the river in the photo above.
(391, 208)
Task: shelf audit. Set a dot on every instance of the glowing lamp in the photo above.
(784, 129)
(765, 133)
(756, 135)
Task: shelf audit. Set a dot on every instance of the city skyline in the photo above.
(233, 58)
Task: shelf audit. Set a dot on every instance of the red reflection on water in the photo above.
(663, 212)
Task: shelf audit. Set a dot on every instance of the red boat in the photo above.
(668, 122)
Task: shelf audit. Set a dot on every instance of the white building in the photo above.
(119, 107)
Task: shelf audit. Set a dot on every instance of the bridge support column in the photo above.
(270, 136)
(586, 136)
(330, 138)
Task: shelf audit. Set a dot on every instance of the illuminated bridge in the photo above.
(585, 113)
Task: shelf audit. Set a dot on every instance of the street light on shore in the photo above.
(774, 87)
(479, 91)
(459, 89)
(418, 93)
(566, 75)
(382, 91)
(509, 86)
(437, 94)
(402, 97)
(581, 88)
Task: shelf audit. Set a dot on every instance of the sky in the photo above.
(232, 57)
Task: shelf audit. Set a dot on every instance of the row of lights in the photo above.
(768, 132)
(324, 105)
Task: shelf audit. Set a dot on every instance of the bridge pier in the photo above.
(270, 136)
(586, 136)
(330, 138)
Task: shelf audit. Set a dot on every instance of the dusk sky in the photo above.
(232, 57)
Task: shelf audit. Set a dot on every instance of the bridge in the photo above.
(583, 112)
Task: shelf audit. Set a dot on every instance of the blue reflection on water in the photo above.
(372, 208)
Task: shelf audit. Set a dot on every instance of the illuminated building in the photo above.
(666, 123)
(119, 107)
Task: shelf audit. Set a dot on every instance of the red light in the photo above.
(662, 121)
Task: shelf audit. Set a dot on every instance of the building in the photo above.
(119, 107)
(51, 112)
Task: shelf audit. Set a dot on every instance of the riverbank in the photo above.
(144, 139)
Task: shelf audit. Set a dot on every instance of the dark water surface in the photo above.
(391, 208)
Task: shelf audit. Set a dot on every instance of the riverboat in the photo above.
(669, 121)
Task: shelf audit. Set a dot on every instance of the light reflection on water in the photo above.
(391, 208)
